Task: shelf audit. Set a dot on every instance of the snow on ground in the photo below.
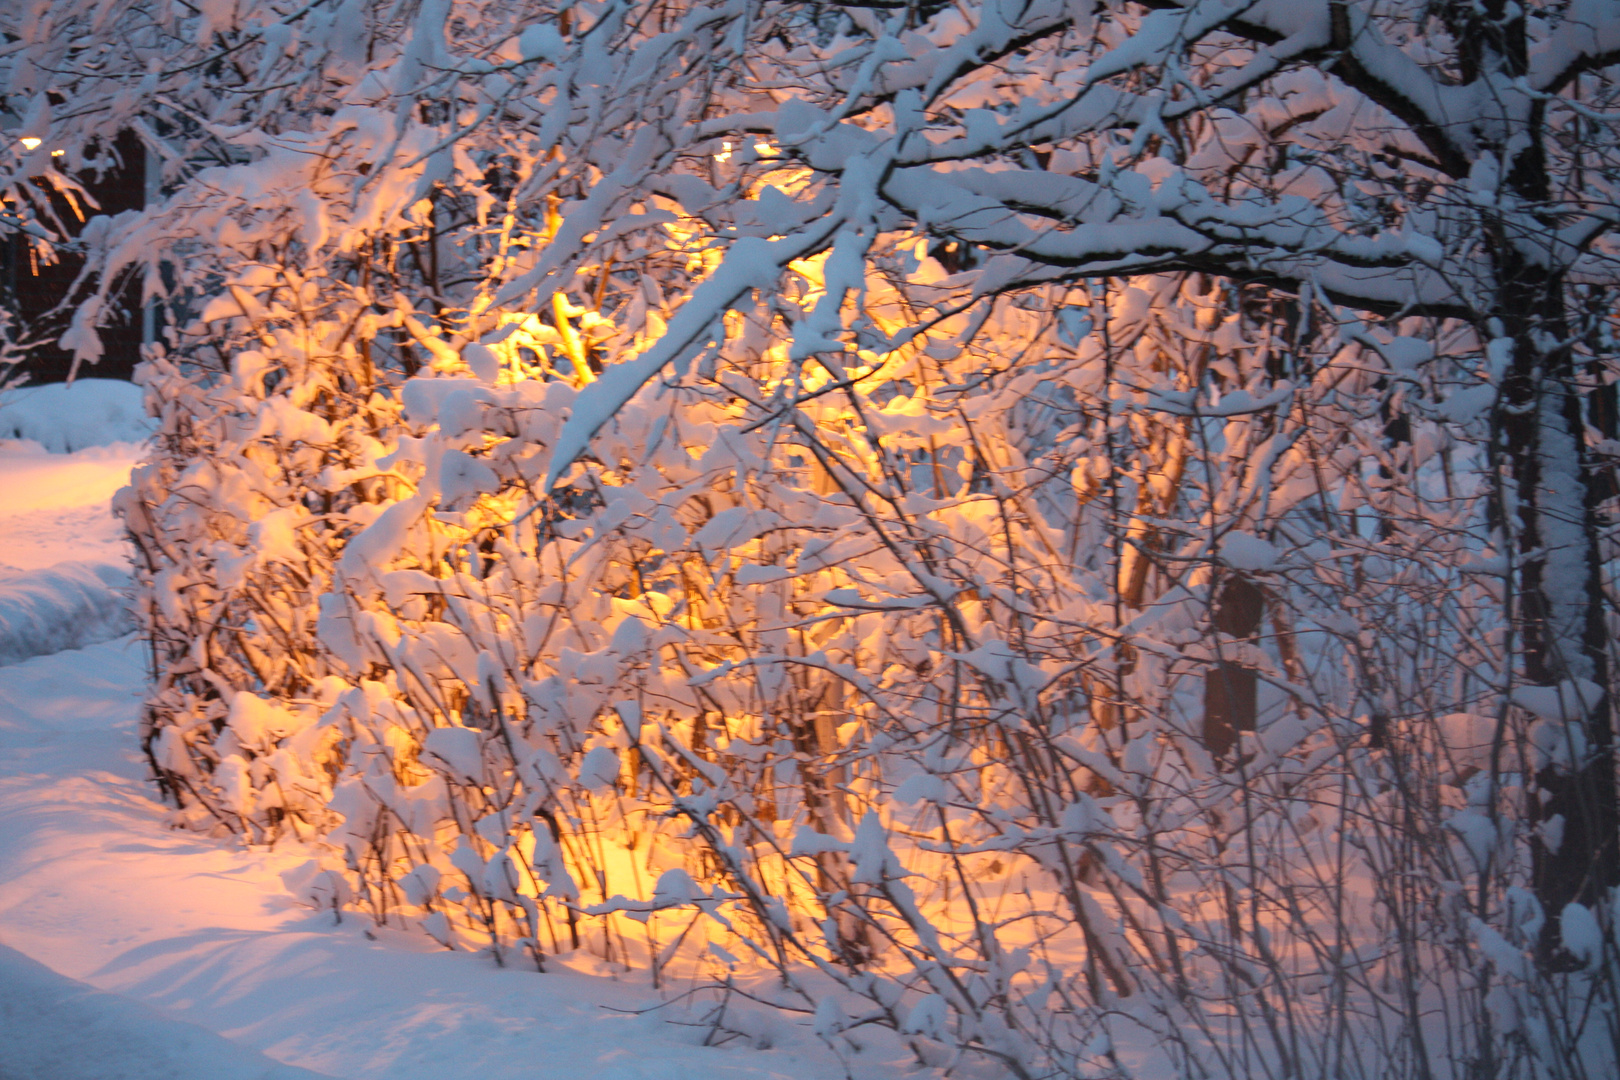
(63, 560)
(56, 1027)
(66, 606)
(64, 565)
(180, 939)
(54, 507)
(64, 417)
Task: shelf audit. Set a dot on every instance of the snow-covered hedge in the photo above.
(867, 692)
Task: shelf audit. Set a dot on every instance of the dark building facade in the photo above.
(35, 290)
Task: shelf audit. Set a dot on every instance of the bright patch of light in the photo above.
(29, 142)
(760, 147)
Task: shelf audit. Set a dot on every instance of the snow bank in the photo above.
(64, 417)
(55, 507)
(69, 606)
(52, 1028)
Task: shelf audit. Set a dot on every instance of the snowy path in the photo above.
(63, 560)
(96, 888)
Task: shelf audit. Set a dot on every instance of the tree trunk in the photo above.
(1559, 605)
(1230, 688)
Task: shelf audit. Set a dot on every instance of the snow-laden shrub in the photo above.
(901, 692)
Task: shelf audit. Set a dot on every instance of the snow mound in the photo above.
(1245, 551)
(68, 606)
(53, 1028)
(64, 417)
(1571, 699)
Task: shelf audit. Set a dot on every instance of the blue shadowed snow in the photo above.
(53, 1028)
(64, 417)
(68, 606)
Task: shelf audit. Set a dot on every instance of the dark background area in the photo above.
(32, 288)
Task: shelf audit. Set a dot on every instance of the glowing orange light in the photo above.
(760, 147)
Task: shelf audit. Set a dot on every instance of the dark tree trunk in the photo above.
(1558, 604)
(1230, 688)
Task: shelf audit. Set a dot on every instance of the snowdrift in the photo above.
(53, 1028)
(64, 417)
(68, 606)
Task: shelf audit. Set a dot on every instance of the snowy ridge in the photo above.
(53, 1028)
(64, 417)
(68, 606)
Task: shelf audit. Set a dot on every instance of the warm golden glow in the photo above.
(761, 147)
(29, 142)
